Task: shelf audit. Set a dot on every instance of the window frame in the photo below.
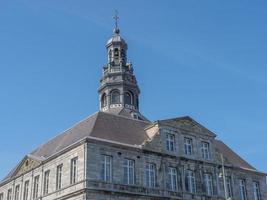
(129, 171)
(46, 182)
(172, 178)
(256, 190)
(208, 181)
(36, 180)
(170, 141)
(26, 190)
(188, 147)
(9, 194)
(73, 170)
(150, 175)
(191, 181)
(17, 191)
(59, 177)
(106, 168)
(205, 150)
(242, 189)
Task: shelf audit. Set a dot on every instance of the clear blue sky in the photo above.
(206, 59)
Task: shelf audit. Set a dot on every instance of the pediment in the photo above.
(188, 124)
(27, 164)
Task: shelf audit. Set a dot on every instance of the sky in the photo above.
(205, 59)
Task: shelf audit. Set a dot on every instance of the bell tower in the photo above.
(118, 91)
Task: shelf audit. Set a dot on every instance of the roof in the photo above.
(100, 125)
(231, 156)
(121, 129)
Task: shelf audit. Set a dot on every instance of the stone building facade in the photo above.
(117, 153)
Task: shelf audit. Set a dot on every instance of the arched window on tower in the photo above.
(116, 52)
(110, 55)
(128, 98)
(115, 97)
(103, 100)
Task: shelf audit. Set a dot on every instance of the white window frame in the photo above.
(129, 171)
(172, 179)
(256, 190)
(46, 182)
(208, 184)
(106, 172)
(36, 187)
(150, 175)
(59, 177)
(170, 142)
(188, 146)
(1, 196)
(242, 189)
(26, 190)
(205, 150)
(229, 186)
(9, 194)
(17, 190)
(191, 181)
(73, 170)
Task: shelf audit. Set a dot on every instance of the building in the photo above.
(117, 153)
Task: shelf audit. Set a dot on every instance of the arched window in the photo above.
(104, 100)
(128, 98)
(137, 102)
(110, 55)
(116, 52)
(115, 97)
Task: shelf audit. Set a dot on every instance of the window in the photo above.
(59, 177)
(46, 182)
(106, 170)
(116, 52)
(128, 98)
(104, 100)
(229, 187)
(208, 184)
(1, 196)
(150, 175)
(190, 181)
(35, 187)
(73, 170)
(205, 149)
(172, 178)
(256, 190)
(188, 146)
(115, 97)
(128, 168)
(170, 142)
(17, 192)
(26, 190)
(242, 189)
(9, 194)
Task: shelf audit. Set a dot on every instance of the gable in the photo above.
(27, 164)
(187, 124)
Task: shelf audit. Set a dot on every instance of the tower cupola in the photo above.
(118, 91)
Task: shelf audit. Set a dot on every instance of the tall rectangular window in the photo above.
(9, 194)
(35, 187)
(46, 182)
(59, 177)
(128, 169)
(26, 191)
(205, 150)
(208, 184)
(150, 175)
(242, 189)
(170, 141)
(1, 196)
(73, 170)
(172, 179)
(190, 181)
(229, 187)
(188, 146)
(17, 188)
(256, 190)
(106, 169)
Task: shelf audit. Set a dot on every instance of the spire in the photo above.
(119, 91)
(116, 30)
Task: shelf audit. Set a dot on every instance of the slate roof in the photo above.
(117, 128)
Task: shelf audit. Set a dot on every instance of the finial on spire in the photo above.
(116, 18)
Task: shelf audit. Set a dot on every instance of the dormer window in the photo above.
(128, 98)
(170, 141)
(104, 100)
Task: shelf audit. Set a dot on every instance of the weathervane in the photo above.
(116, 18)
